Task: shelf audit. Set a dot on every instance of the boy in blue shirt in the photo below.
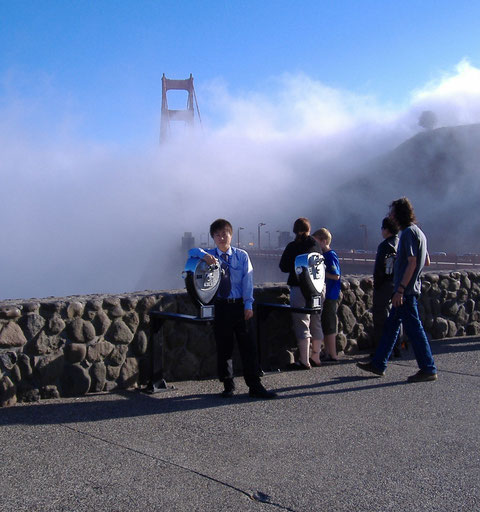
(332, 281)
(233, 310)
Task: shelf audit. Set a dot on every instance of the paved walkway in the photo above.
(335, 440)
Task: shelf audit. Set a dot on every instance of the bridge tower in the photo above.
(187, 116)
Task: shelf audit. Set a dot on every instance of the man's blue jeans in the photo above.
(406, 314)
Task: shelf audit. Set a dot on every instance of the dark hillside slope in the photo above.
(438, 170)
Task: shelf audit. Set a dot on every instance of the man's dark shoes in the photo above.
(259, 391)
(368, 367)
(229, 389)
(422, 376)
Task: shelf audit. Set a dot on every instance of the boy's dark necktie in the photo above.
(225, 283)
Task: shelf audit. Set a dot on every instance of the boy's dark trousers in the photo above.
(229, 324)
(381, 308)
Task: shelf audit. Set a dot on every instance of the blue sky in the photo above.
(294, 96)
(100, 62)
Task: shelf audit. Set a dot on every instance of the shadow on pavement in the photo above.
(453, 345)
(136, 404)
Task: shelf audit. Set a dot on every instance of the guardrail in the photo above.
(449, 261)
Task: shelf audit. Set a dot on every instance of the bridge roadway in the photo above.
(336, 440)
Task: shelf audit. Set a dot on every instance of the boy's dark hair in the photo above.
(390, 225)
(218, 225)
(403, 211)
(301, 227)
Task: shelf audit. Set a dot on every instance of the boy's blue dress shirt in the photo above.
(332, 266)
(241, 271)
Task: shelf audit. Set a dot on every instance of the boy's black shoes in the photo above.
(368, 367)
(259, 391)
(422, 376)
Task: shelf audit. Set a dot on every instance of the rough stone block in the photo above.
(452, 329)
(450, 308)
(129, 373)
(439, 328)
(10, 312)
(44, 344)
(50, 391)
(98, 351)
(129, 303)
(80, 330)
(347, 318)
(55, 324)
(8, 360)
(119, 332)
(340, 341)
(101, 322)
(75, 309)
(473, 329)
(147, 303)
(112, 374)
(132, 320)
(12, 336)
(24, 365)
(140, 343)
(462, 317)
(349, 298)
(31, 324)
(465, 280)
(118, 355)
(98, 376)
(75, 352)
(48, 368)
(75, 380)
(469, 306)
(30, 307)
(8, 392)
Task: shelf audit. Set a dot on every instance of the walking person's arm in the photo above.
(397, 299)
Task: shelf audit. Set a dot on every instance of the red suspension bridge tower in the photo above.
(187, 115)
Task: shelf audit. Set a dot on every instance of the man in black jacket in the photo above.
(383, 279)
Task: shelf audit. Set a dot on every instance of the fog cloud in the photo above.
(82, 216)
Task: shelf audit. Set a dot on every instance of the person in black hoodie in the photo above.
(383, 279)
(306, 327)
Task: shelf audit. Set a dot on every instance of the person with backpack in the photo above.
(383, 286)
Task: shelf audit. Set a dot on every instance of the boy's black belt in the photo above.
(228, 301)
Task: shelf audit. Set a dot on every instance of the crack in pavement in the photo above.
(257, 496)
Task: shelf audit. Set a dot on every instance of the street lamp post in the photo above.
(238, 236)
(365, 239)
(260, 224)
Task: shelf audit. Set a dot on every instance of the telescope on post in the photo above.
(202, 281)
(310, 269)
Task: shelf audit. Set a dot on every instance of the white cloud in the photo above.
(454, 96)
(83, 216)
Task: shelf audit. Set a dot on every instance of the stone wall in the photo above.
(83, 344)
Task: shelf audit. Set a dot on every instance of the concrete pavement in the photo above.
(335, 440)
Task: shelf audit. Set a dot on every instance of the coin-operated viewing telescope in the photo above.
(310, 269)
(202, 281)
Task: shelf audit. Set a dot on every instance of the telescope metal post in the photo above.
(157, 319)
